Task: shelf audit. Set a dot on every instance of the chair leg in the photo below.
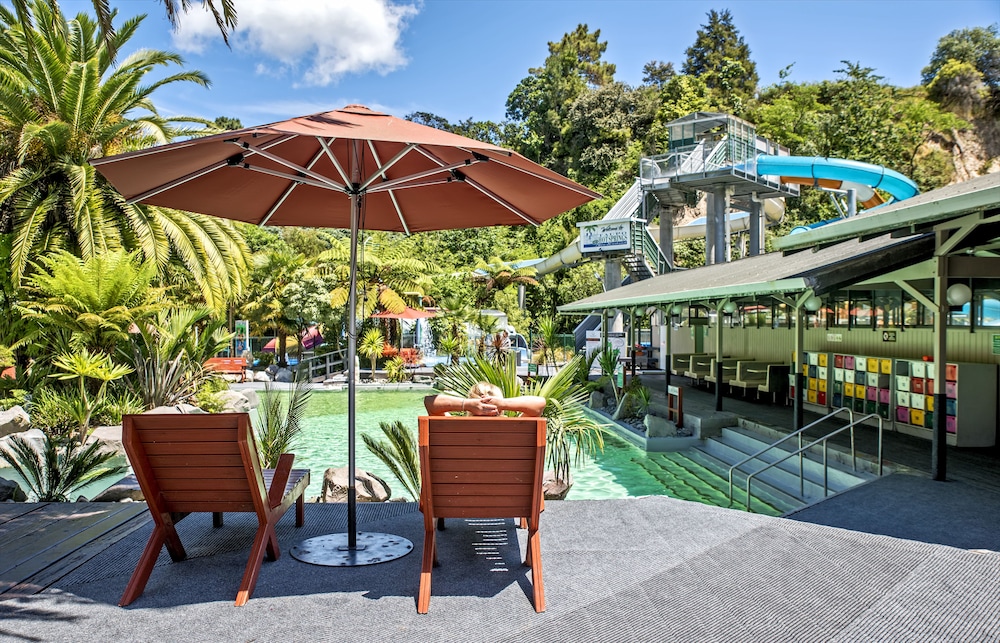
(427, 565)
(216, 519)
(535, 552)
(300, 510)
(144, 567)
(261, 542)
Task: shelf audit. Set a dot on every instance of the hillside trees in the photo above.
(964, 70)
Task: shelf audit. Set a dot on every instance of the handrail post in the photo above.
(826, 465)
(802, 473)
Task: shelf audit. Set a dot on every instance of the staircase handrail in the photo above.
(826, 464)
(644, 244)
(774, 445)
(334, 361)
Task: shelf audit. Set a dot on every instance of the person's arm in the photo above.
(441, 404)
(529, 405)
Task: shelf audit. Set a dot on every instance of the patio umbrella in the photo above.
(348, 168)
(408, 313)
(311, 338)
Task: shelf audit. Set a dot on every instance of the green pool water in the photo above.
(621, 471)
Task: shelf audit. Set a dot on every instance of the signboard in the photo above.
(242, 340)
(532, 368)
(996, 344)
(605, 236)
(835, 337)
(888, 335)
(617, 341)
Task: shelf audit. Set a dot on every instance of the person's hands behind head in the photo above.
(482, 406)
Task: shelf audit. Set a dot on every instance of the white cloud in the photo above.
(320, 41)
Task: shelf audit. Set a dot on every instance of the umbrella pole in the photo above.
(352, 351)
(340, 550)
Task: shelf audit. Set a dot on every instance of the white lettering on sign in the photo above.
(835, 337)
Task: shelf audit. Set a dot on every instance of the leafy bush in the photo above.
(60, 467)
(399, 453)
(395, 369)
(280, 424)
(207, 397)
(17, 397)
(49, 411)
(117, 404)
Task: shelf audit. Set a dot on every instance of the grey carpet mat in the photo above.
(646, 569)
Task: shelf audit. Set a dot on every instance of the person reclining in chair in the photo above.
(485, 399)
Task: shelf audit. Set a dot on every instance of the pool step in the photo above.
(735, 444)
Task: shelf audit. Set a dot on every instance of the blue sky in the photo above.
(461, 58)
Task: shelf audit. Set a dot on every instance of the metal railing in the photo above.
(802, 449)
(320, 367)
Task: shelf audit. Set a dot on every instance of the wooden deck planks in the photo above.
(43, 544)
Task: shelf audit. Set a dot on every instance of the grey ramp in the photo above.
(646, 569)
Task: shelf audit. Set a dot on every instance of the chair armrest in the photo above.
(280, 479)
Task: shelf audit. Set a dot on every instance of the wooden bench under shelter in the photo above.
(729, 365)
(477, 467)
(700, 366)
(681, 362)
(750, 375)
(207, 463)
(227, 366)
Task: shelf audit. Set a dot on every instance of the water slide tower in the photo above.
(716, 154)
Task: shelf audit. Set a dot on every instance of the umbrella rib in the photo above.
(381, 172)
(575, 188)
(292, 177)
(400, 182)
(178, 181)
(294, 166)
(287, 193)
(333, 158)
(501, 201)
(382, 168)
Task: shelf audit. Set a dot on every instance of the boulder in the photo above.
(233, 402)
(284, 375)
(11, 491)
(252, 398)
(597, 400)
(110, 437)
(272, 370)
(657, 427)
(125, 490)
(555, 489)
(180, 408)
(35, 438)
(368, 486)
(261, 376)
(13, 420)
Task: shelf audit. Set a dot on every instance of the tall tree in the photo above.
(721, 58)
(62, 103)
(540, 103)
(964, 63)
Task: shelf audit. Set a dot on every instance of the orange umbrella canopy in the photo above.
(408, 313)
(304, 172)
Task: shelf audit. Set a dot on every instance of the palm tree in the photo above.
(77, 304)
(62, 103)
(497, 274)
(387, 277)
(265, 304)
(225, 19)
(371, 346)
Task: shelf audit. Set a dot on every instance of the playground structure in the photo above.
(744, 179)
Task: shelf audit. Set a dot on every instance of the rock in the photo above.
(597, 400)
(13, 420)
(126, 489)
(110, 437)
(272, 370)
(627, 408)
(10, 490)
(233, 402)
(555, 489)
(261, 376)
(657, 427)
(284, 375)
(252, 398)
(35, 438)
(368, 486)
(180, 408)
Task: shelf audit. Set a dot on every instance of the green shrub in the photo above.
(49, 411)
(395, 369)
(263, 360)
(207, 397)
(117, 404)
(16, 397)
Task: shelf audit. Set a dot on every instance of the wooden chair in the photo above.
(476, 467)
(202, 463)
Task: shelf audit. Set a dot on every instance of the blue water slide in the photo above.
(834, 169)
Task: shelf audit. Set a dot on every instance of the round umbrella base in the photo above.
(332, 550)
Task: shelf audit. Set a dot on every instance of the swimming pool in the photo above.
(621, 471)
